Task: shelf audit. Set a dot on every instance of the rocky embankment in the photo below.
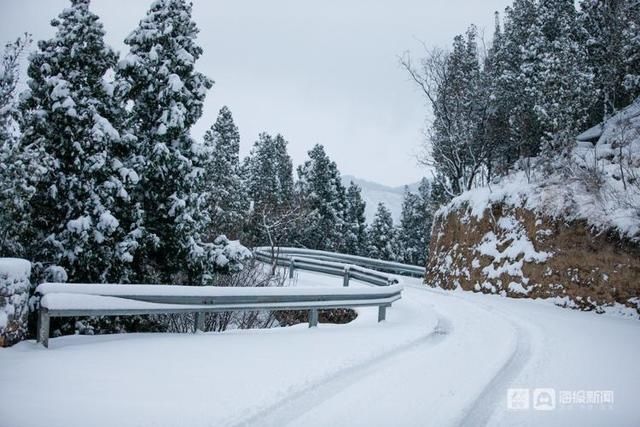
(517, 252)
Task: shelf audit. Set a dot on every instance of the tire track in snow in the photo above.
(480, 411)
(299, 402)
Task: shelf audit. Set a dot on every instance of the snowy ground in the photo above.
(442, 358)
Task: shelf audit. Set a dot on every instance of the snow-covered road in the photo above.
(441, 358)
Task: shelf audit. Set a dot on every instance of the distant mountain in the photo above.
(374, 193)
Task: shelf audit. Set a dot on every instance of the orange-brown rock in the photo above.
(517, 252)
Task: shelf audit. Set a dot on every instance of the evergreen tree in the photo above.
(410, 230)
(502, 156)
(510, 91)
(355, 238)
(165, 95)
(549, 74)
(269, 172)
(415, 224)
(9, 76)
(227, 198)
(321, 189)
(15, 188)
(382, 236)
(561, 80)
(268, 178)
(610, 30)
(80, 209)
(439, 194)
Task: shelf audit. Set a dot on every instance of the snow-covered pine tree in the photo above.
(501, 84)
(9, 77)
(501, 155)
(410, 230)
(440, 194)
(320, 187)
(268, 177)
(510, 91)
(157, 80)
(269, 172)
(415, 224)
(611, 34)
(556, 64)
(79, 209)
(355, 237)
(382, 236)
(225, 191)
(15, 188)
(429, 206)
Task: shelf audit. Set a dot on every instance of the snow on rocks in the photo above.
(520, 252)
(570, 233)
(509, 252)
(14, 297)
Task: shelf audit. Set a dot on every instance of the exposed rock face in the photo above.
(14, 299)
(517, 252)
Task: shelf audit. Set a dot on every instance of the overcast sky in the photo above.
(318, 72)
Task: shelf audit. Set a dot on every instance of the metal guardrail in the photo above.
(68, 300)
(122, 300)
(346, 271)
(360, 267)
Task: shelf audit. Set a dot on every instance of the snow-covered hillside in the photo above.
(440, 359)
(569, 230)
(374, 193)
(600, 185)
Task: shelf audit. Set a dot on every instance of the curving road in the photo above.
(440, 359)
(441, 368)
(459, 373)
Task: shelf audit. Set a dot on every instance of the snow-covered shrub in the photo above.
(253, 275)
(208, 260)
(599, 183)
(14, 299)
(609, 171)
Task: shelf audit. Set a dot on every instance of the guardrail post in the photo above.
(345, 281)
(382, 313)
(43, 327)
(198, 324)
(313, 318)
(292, 266)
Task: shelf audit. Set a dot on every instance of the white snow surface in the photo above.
(440, 359)
(15, 267)
(209, 291)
